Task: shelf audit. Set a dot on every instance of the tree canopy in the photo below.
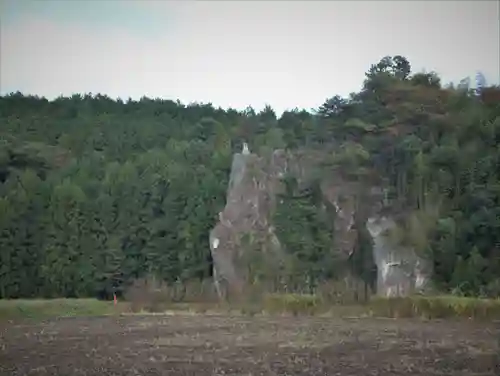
(96, 192)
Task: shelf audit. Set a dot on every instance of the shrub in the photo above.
(153, 295)
(338, 293)
(292, 303)
(156, 296)
(433, 307)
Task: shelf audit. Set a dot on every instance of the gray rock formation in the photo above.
(250, 198)
(400, 270)
(253, 186)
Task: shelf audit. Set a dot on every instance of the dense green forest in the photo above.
(96, 192)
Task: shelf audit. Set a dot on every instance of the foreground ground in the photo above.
(223, 345)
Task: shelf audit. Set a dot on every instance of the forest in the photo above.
(96, 193)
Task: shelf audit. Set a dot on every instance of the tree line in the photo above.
(96, 192)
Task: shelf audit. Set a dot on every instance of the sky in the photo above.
(234, 53)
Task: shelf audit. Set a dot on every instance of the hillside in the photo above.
(95, 192)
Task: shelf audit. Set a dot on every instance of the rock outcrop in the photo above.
(399, 270)
(253, 187)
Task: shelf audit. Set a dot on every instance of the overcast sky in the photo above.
(234, 53)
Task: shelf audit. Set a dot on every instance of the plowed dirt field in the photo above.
(228, 345)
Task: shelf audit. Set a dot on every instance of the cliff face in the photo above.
(251, 195)
(399, 270)
(253, 185)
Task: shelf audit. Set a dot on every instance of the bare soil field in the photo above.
(228, 345)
